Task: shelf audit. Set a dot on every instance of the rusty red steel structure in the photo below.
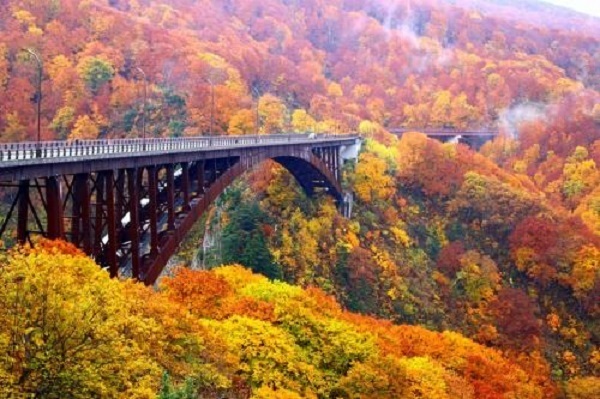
(129, 203)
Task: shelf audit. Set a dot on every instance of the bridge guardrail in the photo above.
(82, 148)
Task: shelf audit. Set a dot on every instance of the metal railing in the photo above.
(92, 148)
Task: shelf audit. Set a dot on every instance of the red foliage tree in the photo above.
(515, 315)
(448, 261)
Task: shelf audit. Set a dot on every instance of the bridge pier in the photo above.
(55, 220)
(171, 197)
(185, 185)
(81, 222)
(200, 176)
(153, 208)
(99, 211)
(23, 210)
(134, 220)
(111, 217)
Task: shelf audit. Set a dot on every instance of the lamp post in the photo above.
(140, 70)
(256, 94)
(211, 83)
(215, 76)
(38, 98)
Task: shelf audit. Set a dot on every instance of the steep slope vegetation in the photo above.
(310, 65)
(225, 333)
(444, 238)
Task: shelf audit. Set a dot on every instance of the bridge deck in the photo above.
(26, 152)
(30, 159)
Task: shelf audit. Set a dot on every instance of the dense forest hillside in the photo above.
(485, 263)
(306, 65)
(222, 334)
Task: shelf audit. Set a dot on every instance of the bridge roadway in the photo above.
(471, 137)
(129, 203)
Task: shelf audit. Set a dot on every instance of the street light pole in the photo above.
(256, 94)
(38, 150)
(212, 107)
(140, 70)
(215, 76)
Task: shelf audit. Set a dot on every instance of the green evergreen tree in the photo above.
(244, 240)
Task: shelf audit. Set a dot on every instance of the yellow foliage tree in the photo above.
(85, 129)
(272, 113)
(589, 211)
(267, 355)
(580, 175)
(478, 276)
(586, 270)
(14, 130)
(371, 182)
(67, 330)
(242, 122)
(3, 65)
(335, 90)
(302, 122)
(440, 110)
(583, 388)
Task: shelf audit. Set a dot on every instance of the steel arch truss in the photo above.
(131, 220)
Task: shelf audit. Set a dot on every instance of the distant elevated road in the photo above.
(446, 132)
(472, 137)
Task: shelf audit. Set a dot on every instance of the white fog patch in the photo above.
(512, 118)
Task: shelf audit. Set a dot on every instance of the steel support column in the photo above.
(23, 211)
(99, 214)
(111, 224)
(134, 222)
(55, 226)
(153, 208)
(338, 164)
(76, 210)
(171, 197)
(81, 212)
(120, 198)
(200, 170)
(185, 186)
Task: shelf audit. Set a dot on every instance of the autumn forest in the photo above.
(464, 271)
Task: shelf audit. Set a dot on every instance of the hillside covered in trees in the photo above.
(225, 333)
(306, 65)
(485, 263)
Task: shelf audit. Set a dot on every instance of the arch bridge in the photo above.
(129, 203)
